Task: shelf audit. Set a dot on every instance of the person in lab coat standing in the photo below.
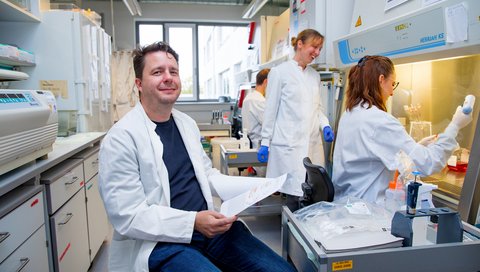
(154, 181)
(252, 113)
(294, 116)
(369, 138)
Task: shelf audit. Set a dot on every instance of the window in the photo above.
(210, 55)
(150, 33)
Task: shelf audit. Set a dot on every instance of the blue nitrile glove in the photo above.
(262, 154)
(328, 134)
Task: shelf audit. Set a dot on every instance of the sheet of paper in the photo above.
(228, 187)
(239, 203)
(456, 21)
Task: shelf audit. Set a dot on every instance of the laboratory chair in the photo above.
(317, 186)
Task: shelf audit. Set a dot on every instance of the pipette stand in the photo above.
(449, 225)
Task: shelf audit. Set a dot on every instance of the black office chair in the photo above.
(317, 186)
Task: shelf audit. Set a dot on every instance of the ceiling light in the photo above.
(253, 8)
(133, 7)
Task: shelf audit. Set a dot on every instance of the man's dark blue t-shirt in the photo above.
(185, 192)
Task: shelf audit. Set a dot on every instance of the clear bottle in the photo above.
(394, 196)
(244, 141)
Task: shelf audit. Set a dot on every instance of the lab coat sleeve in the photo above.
(322, 117)
(390, 137)
(126, 199)
(272, 102)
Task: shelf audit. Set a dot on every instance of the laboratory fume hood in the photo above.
(436, 51)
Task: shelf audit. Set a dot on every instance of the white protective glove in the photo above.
(428, 140)
(460, 119)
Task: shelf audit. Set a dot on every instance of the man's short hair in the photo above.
(261, 76)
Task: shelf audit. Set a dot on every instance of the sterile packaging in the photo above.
(347, 224)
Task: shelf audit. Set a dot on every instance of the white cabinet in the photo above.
(78, 221)
(69, 235)
(96, 215)
(31, 256)
(23, 244)
(68, 218)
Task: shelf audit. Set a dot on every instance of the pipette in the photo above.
(412, 194)
(468, 104)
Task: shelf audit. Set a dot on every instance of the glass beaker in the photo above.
(420, 129)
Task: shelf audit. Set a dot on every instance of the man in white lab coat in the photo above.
(294, 116)
(154, 181)
(252, 113)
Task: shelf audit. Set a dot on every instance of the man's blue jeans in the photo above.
(235, 250)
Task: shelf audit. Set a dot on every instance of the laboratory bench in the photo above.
(215, 130)
(306, 254)
(51, 214)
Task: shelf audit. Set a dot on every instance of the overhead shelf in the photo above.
(11, 62)
(11, 12)
(8, 75)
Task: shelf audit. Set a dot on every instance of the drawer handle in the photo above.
(3, 236)
(69, 216)
(95, 162)
(74, 179)
(24, 262)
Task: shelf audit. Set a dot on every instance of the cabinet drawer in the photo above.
(19, 224)
(62, 183)
(97, 217)
(90, 166)
(70, 236)
(31, 256)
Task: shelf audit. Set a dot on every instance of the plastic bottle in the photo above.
(394, 196)
(244, 141)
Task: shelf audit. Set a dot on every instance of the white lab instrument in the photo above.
(29, 125)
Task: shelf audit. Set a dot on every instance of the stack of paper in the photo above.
(361, 241)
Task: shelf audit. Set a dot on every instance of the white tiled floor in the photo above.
(266, 228)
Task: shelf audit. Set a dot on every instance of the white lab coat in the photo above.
(366, 146)
(134, 185)
(252, 116)
(292, 121)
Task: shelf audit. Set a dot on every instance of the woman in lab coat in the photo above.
(293, 114)
(369, 138)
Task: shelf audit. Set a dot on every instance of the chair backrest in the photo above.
(319, 181)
